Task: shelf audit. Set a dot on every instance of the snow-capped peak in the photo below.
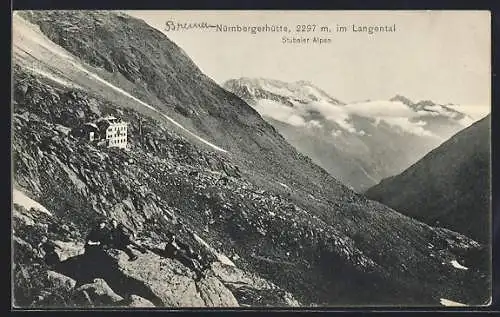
(262, 88)
(301, 102)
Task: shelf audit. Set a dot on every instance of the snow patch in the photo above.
(282, 91)
(20, 198)
(284, 185)
(28, 34)
(450, 303)
(53, 77)
(458, 265)
(221, 257)
(298, 90)
(466, 121)
(474, 112)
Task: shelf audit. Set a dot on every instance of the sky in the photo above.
(443, 56)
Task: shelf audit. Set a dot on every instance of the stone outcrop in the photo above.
(137, 301)
(60, 281)
(97, 294)
(172, 284)
(252, 290)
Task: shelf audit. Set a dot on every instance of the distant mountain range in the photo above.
(358, 143)
(449, 187)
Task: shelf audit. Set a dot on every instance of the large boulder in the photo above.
(166, 282)
(97, 293)
(137, 301)
(59, 281)
(250, 289)
(69, 249)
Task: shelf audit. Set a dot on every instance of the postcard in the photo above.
(193, 159)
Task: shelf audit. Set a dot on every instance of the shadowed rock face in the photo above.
(108, 278)
(163, 282)
(250, 289)
(282, 220)
(450, 187)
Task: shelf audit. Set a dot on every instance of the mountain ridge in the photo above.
(343, 138)
(464, 158)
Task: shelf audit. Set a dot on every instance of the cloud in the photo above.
(279, 112)
(333, 113)
(314, 124)
(392, 113)
(336, 133)
(383, 108)
(416, 128)
(296, 120)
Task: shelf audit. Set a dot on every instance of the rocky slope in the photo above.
(109, 279)
(449, 187)
(339, 248)
(360, 143)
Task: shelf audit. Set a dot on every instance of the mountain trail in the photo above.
(26, 33)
